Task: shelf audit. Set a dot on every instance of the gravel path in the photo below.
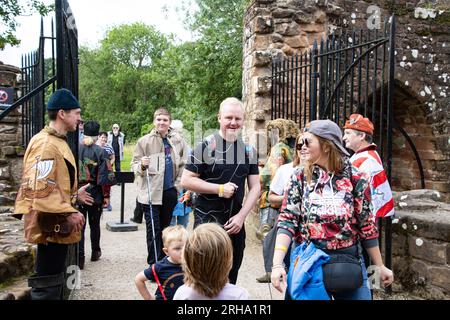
(124, 255)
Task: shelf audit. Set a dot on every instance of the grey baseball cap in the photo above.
(328, 130)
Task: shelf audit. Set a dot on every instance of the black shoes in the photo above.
(96, 255)
(265, 278)
(138, 222)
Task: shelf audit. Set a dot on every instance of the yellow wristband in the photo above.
(221, 190)
(282, 248)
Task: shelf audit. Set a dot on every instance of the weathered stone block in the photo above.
(288, 50)
(8, 151)
(334, 10)
(313, 28)
(262, 58)
(428, 250)
(259, 115)
(5, 129)
(440, 276)
(277, 38)
(320, 17)
(303, 18)
(283, 13)
(8, 137)
(264, 25)
(288, 29)
(4, 173)
(399, 244)
(297, 42)
(264, 85)
(4, 187)
(432, 225)
(421, 194)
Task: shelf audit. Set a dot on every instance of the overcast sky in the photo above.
(93, 17)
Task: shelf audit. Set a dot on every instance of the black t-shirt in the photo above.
(170, 276)
(219, 161)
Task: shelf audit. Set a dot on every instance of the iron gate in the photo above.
(40, 76)
(343, 74)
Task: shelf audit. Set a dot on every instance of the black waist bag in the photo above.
(343, 272)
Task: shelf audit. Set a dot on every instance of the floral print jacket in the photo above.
(334, 210)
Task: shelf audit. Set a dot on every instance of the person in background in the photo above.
(80, 131)
(276, 195)
(182, 210)
(102, 142)
(279, 133)
(167, 271)
(95, 171)
(207, 260)
(358, 137)
(116, 139)
(162, 155)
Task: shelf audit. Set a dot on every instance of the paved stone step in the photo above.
(16, 255)
(16, 289)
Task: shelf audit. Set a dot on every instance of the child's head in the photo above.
(174, 238)
(208, 257)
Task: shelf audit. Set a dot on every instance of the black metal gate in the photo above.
(41, 75)
(348, 73)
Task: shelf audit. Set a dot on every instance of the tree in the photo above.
(118, 80)
(208, 69)
(10, 10)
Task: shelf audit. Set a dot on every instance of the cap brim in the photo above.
(342, 149)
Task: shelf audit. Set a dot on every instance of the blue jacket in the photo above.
(305, 276)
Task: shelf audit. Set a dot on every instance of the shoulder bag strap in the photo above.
(159, 283)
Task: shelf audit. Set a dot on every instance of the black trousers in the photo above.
(48, 281)
(138, 212)
(237, 240)
(162, 215)
(93, 215)
(117, 162)
(51, 258)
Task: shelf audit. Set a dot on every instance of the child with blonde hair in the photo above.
(207, 260)
(167, 272)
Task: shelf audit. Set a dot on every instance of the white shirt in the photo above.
(282, 178)
(229, 292)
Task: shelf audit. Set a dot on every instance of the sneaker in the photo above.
(109, 207)
(96, 255)
(264, 278)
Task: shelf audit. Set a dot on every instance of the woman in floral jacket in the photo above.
(328, 204)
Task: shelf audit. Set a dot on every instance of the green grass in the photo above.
(125, 164)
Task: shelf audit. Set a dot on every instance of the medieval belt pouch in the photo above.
(55, 224)
(343, 271)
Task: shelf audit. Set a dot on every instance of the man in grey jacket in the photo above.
(162, 154)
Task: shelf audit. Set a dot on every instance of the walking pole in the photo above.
(151, 215)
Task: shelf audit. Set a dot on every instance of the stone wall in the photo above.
(421, 245)
(281, 28)
(11, 151)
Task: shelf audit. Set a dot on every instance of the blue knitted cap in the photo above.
(62, 99)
